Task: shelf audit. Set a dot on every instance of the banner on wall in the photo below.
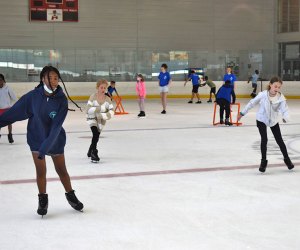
(53, 10)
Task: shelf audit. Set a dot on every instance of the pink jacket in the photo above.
(141, 89)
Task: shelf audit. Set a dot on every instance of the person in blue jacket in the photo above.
(229, 76)
(46, 108)
(223, 100)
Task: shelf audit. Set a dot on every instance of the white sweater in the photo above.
(268, 111)
(7, 97)
(99, 113)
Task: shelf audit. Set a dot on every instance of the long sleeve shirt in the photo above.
(7, 97)
(269, 110)
(141, 89)
(45, 115)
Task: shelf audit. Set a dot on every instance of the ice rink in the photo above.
(169, 181)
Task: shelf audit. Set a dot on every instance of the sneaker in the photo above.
(288, 163)
(43, 204)
(163, 112)
(73, 201)
(227, 122)
(190, 102)
(209, 100)
(10, 138)
(198, 102)
(263, 166)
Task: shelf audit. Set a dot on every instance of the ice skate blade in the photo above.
(94, 161)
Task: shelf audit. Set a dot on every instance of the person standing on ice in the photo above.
(46, 108)
(271, 104)
(140, 88)
(99, 109)
(7, 98)
(165, 80)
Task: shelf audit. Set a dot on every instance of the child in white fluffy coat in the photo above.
(99, 110)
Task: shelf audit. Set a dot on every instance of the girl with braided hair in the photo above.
(46, 108)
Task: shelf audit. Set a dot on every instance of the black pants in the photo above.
(254, 86)
(264, 139)
(224, 105)
(95, 139)
(233, 96)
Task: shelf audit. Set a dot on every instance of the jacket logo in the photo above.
(52, 114)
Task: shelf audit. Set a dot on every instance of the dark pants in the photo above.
(254, 86)
(224, 105)
(233, 96)
(95, 139)
(264, 139)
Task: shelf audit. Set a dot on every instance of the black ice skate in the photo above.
(43, 204)
(10, 138)
(73, 201)
(227, 122)
(141, 114)
(263, 165)
(94, 156)
(288, 163)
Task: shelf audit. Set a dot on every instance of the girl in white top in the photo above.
(271, 104)
(99, 110)
(7, 98)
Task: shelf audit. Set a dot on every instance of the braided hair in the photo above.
(45, 72)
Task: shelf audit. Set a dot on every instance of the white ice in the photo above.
(220, 209)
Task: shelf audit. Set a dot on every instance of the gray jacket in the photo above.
(7, 97)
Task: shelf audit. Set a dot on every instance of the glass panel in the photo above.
(85, 65)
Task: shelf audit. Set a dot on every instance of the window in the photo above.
(288, 16)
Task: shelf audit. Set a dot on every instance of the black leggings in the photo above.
(96, 135)
(224, 105)
(264, 139)
(233, 96)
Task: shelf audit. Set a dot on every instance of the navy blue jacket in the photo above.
(225, 92)
(45, 115)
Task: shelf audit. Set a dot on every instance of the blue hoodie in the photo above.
(45, 115)
(224, 92)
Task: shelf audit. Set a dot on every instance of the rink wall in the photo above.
(82, 90)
